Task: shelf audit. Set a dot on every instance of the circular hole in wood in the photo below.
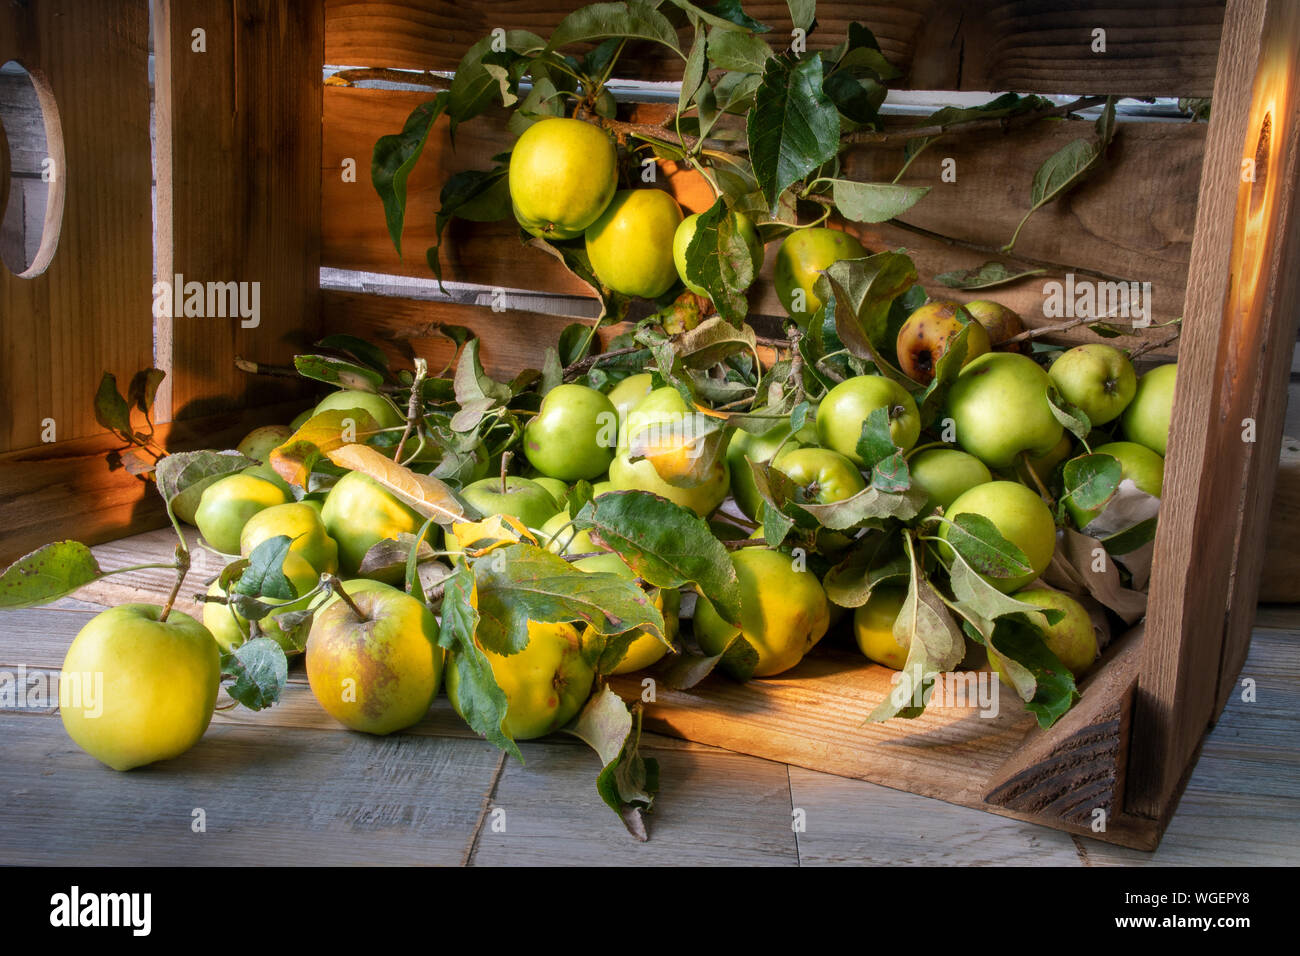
(32, 170)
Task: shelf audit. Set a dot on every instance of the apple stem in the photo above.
(505, 464)
(336, 586)
(182, 569)
(1042, 489)
(412, 406)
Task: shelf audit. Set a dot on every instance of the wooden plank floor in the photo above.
(288, 786)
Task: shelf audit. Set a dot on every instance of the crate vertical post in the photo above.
(1239, 328)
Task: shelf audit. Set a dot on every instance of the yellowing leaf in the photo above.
(477, 538)
(426, 494)
(320, 435)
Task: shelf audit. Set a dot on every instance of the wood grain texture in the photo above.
(307, 797)
(1236, 347)
(713, 808)
(1076, 767)
(66, 490)
(89, 311)
(239, 178)
(1132, 221)
(1279, 578)
(1164, 48)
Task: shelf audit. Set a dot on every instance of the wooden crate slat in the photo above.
(239, 160)
(1280, 576)
(89, 311)
(1231, 368)
(1101, 230)
(1162, 48)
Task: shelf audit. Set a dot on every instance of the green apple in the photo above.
(1019, 515)
(663, 409)
(381, 409)
(783, 611)
(802, 256)
(847, 406)
(228, 504)
(1097, 378)
(558, 489)
(944, 474)
(629, 393)
(927, 335)
(560, 537)
(760, 448)
(135, 688)
(1072, 639)
(359, 513)
(516, 497)
(230, 627)
(686, 232)
(301, 522)
(545, 684)
(267, 473)
(258, 443)
(1137, 463)
(573, 435)
(1045, 465)
(1146, 420)
(380, 671)
(999, 408)
(821, 476)
(646, 648)
(873, 627)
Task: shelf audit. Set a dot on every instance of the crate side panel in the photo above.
(88, 312)
(239, 136)
(1226, 370)
(1161, 48)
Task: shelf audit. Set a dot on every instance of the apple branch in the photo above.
(182, 569)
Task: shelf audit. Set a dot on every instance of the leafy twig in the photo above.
(904, 134)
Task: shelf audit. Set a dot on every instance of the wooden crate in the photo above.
(249, 151)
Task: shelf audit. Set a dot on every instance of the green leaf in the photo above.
(1046, 685)
(1074, 418)
(260, 671)
(868, 507)
(933, 640)
(985, 277)
(366, 353)
(874, 202)
(522, 582)
(635, 19)
(264, 576)
(850, 583)
(979, 542)
(802, 13)
(980, 602)
(483, 75)
(740, 52)
(694, 73)
(880, 456)
(473, 194)
(143, 388)
(334, 371)
(1130, 539)
(395, 156)
(628, 782)
(476, 392)
(111, 409)
(727, 14)
(182, 476)
(715, 340)
(946, 370)
(482, 702)
(1067, 167)
(718, 258)
(793, 128)
(47, 574)
(665, 544)
(858, 294)
(683, 671)
(1091, 480)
